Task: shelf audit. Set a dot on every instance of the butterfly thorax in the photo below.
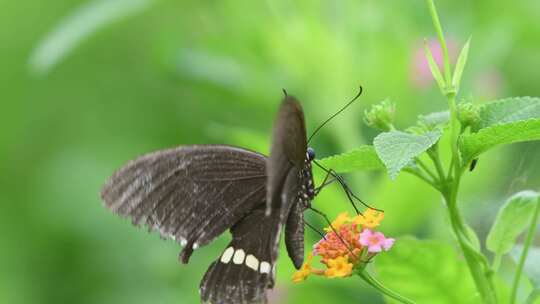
(307, 190)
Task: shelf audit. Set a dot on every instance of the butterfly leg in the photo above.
(350, 194)
(314, 229)
(337, 177)
(347, 245)
(324, 183)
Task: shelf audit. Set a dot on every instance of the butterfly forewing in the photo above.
(288, 149)
(191, 193)
(288, 152)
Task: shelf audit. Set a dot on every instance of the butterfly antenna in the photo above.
(336, 114)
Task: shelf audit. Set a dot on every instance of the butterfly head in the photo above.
(310, 154)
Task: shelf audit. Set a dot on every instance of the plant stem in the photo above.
(380, 287)
(450, 168)
(475, 260)
(477, 263)
(479, 274)
(454, 135)
(434, 155)
(526, 246)
(426, 168)
(421, 176)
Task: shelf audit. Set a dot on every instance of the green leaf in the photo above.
(78, 26)
(472, 145)
(513, 218)
(460, 65)
(508, 110)
(532, 263)
(434, 68)
(503, 121)
(397, 149)
(362, 158)
(426, 272)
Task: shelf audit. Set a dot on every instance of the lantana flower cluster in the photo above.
(349, 243)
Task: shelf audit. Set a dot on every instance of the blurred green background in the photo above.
(87, 85)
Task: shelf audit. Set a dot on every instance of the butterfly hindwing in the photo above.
(190, 193)
(245, 269)
(229, 281)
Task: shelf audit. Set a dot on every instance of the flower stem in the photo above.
(380, 287)
(526, 246)
(477, 262)
(427, 169)
(434, 155)
(421, 176)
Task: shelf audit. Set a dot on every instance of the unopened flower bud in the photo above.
(381, 116)
(468, 114)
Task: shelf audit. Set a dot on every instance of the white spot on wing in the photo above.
(239, 256)
(227, 255)
(183, 242)
(252, 262)
(265, 267)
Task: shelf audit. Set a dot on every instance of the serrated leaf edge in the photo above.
(392, 174)
(480, 132)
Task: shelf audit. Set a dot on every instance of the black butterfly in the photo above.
(192, 194)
